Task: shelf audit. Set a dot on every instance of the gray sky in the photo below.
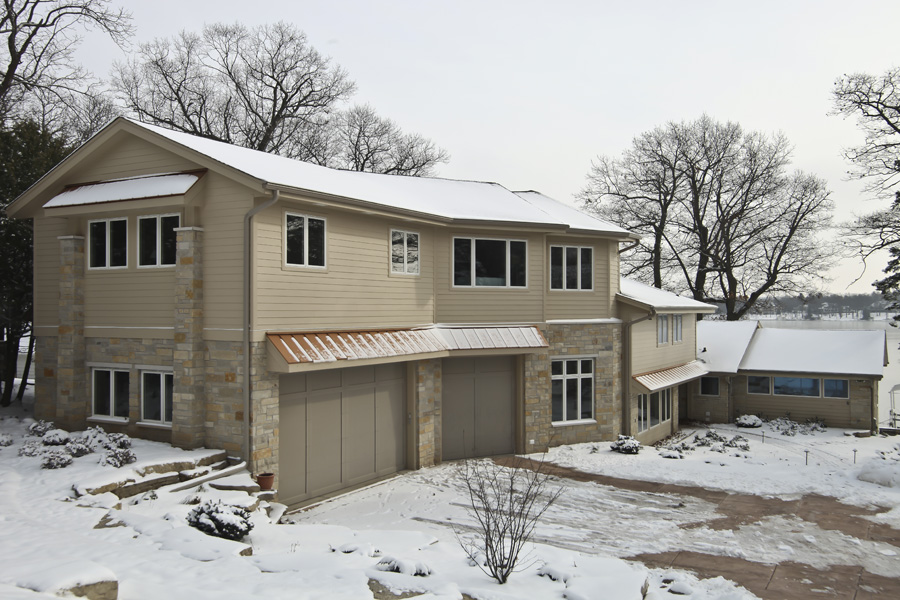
(527, 93)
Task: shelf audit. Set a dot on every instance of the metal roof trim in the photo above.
(664, 378)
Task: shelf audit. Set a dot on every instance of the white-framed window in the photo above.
(109, 393)
(157, 240)
(759, 385)
(481, 262)
(571, 268)
(677, 327)
(662, 329)
(709, 386)
(796, 386)
(304, 240)
(404, 252)
(572, 389)
(156, 396)
(654, 408)
(836, 388)
(108, 244)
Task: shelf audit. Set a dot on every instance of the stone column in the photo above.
(72, 400)
(188, 398)
(264, 413)
(427, 401)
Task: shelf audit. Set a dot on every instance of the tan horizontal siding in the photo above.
(129, 298)
(355, 290)
(46, 273)
(647, 356)
(128, 156)
(571, 304)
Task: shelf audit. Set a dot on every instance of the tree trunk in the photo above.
(25, 371)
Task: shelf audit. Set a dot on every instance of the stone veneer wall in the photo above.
(603, 343)
(264, 413)
(70, 372)
(427, 375)
(45, 377)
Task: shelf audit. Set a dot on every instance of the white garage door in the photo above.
(339, 428)
(478, 407)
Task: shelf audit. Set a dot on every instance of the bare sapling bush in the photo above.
(506, 504)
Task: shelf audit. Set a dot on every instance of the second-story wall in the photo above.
(648, 354)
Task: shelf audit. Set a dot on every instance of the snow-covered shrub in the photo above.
(5, 439)
(682, 446)
(626, 445)
(748, 421)
(786, 426)
(739, 442)
(221, 520)
(56, 437)
(884, 470)
(717, 447)
(94, 437)
(406, 567)
(669, 453)
(710, 438)
(118, 457)
(117, 441)
(31, 448)
(39, 428)
(55, 459)
(76, 449)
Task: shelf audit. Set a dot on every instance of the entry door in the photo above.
(478, 407)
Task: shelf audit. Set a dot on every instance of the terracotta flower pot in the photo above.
(265, 481)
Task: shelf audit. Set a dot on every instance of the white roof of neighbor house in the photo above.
(443, 198)
(132, 188)
(817, 351)
(659, 299)
(721, 344)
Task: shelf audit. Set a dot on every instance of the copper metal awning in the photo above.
(658, 380)
(319, 348)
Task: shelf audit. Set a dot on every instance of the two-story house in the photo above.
(335, 326)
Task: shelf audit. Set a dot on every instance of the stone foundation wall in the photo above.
(603, 343)
(224, 396)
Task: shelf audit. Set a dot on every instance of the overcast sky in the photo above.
(527, 94)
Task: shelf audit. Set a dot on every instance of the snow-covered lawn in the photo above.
(49, 538)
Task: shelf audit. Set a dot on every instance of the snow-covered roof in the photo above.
(721, 344)
(816, 351)
(428, 196)
(132, 188)
(659, 299)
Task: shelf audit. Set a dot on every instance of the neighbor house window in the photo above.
(489, 263)
(836, 388)
(156, 396)
(572, 393)
(662, 329)
(108, 244)
(304, 240)
(757, 384)
(571, 268)
(654, 408)
(796, 386)
(404, 252)
(110, 393)
(709, 386)
(157, 240)
(676, 328)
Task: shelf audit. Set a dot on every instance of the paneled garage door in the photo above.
(339, 428)
(478, 406)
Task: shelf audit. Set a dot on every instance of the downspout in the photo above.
(245, 380)
(626, 370)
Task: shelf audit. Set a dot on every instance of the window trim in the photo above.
(112, 394)
(660, 320)
(405, 272)
(284, 253)
(577, 376)
(159, 219)
(718, 393)
(162, 399)
(90, 247)
(473, 285)
(579, 288)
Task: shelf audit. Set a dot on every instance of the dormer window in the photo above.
(108, 244)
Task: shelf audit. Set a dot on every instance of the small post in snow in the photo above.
(807, 457)
(854, 456)
(764, 437)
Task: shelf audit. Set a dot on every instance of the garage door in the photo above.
(478, 407)
(339, 428)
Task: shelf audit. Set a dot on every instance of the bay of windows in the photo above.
(654, 408)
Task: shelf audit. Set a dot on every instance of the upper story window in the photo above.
(404, 252)
(304, 240)
(662, 329)
(489, 263)
(108, 244)
(157, 240)
(677, 322)
(571, 268)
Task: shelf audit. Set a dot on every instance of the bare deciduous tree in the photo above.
(722, 218)
(265, 88)
(40, 37)
(506, 503)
